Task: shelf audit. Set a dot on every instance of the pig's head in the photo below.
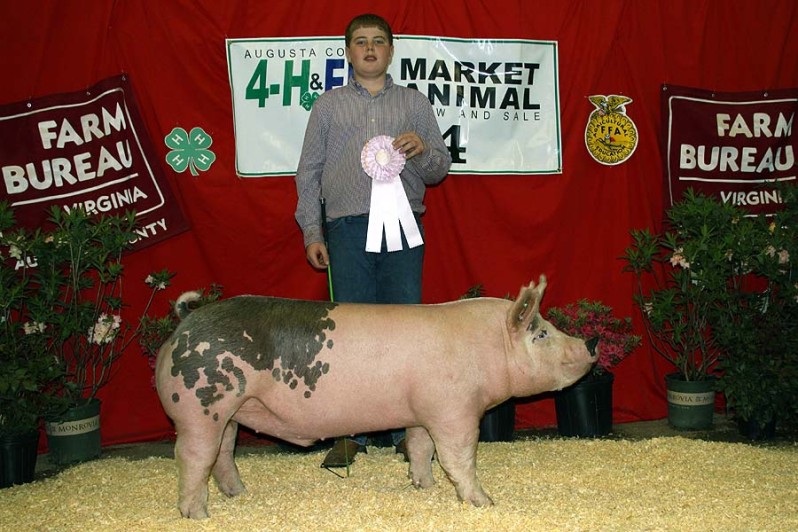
(546, 359)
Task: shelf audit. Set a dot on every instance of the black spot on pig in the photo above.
(280, 336)
(229, 365)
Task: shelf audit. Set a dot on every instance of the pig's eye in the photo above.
(541, 335)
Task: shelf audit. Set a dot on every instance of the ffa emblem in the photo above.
(610, 135)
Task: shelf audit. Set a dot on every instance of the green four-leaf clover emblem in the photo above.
(308, 99)
(189, 150)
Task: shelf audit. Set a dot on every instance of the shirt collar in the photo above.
(362, 90)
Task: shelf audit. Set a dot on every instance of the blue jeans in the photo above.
(362, 277)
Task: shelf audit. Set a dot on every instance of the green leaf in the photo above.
(177, 139)
(177, 160)
(203, 159)
(199, 140)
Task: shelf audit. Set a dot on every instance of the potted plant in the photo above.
(682, 273)
(758, 378)
(756, 326)
(585, 408)
(65, 296)
(29, 376)
(704, 291)
(26, 382)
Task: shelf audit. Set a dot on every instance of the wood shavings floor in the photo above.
(671, 482)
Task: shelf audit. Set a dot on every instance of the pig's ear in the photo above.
(526, 306)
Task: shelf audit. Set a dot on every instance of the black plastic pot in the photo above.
(755, 431)
(18, 454)
(585, 408)
(498, 423)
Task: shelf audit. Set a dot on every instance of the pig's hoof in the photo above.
(233, 491)
(477, 498)
(423, 483)
(231, 485)
(194, 513)
(482, 501)
(421, 479)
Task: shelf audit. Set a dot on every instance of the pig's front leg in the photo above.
(457, 454)
(420, 449)
(225, 471)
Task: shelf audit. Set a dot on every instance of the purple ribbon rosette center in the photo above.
(381, 160)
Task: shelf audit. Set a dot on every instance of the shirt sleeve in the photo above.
(434, 164)
(308, 177)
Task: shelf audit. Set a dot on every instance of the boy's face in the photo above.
(369, 52)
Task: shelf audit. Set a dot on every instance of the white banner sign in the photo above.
(496, 101)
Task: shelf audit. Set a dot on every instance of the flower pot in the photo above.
(18, 454)
(585, 408)
(755, 431)
(498, 423)
(691, 404)
(75, 436)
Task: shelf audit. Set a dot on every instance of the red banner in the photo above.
(734, 146)
(89, 149)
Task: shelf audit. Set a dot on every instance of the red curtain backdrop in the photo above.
(500, 231)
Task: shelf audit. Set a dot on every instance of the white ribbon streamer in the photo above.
(390, 209)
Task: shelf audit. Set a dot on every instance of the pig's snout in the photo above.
(591, 346)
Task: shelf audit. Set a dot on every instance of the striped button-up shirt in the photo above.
(341, 122)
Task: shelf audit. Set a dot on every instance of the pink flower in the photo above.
(679, 260)
(105, 330)
(588, 320)
(151, 282)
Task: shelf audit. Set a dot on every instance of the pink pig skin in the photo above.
(302, 371)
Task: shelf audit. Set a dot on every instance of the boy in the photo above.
(342, 121)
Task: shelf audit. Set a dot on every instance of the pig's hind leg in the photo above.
(225, 471)
(196, 452)
(420, 449)
(457, 454)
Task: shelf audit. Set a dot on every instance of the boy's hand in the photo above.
(410, 144)
(317, 255)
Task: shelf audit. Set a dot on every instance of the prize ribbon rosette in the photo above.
(389, 208)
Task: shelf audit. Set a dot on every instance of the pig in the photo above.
(302, 371)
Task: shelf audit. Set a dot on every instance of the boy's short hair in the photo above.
(368, 21)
